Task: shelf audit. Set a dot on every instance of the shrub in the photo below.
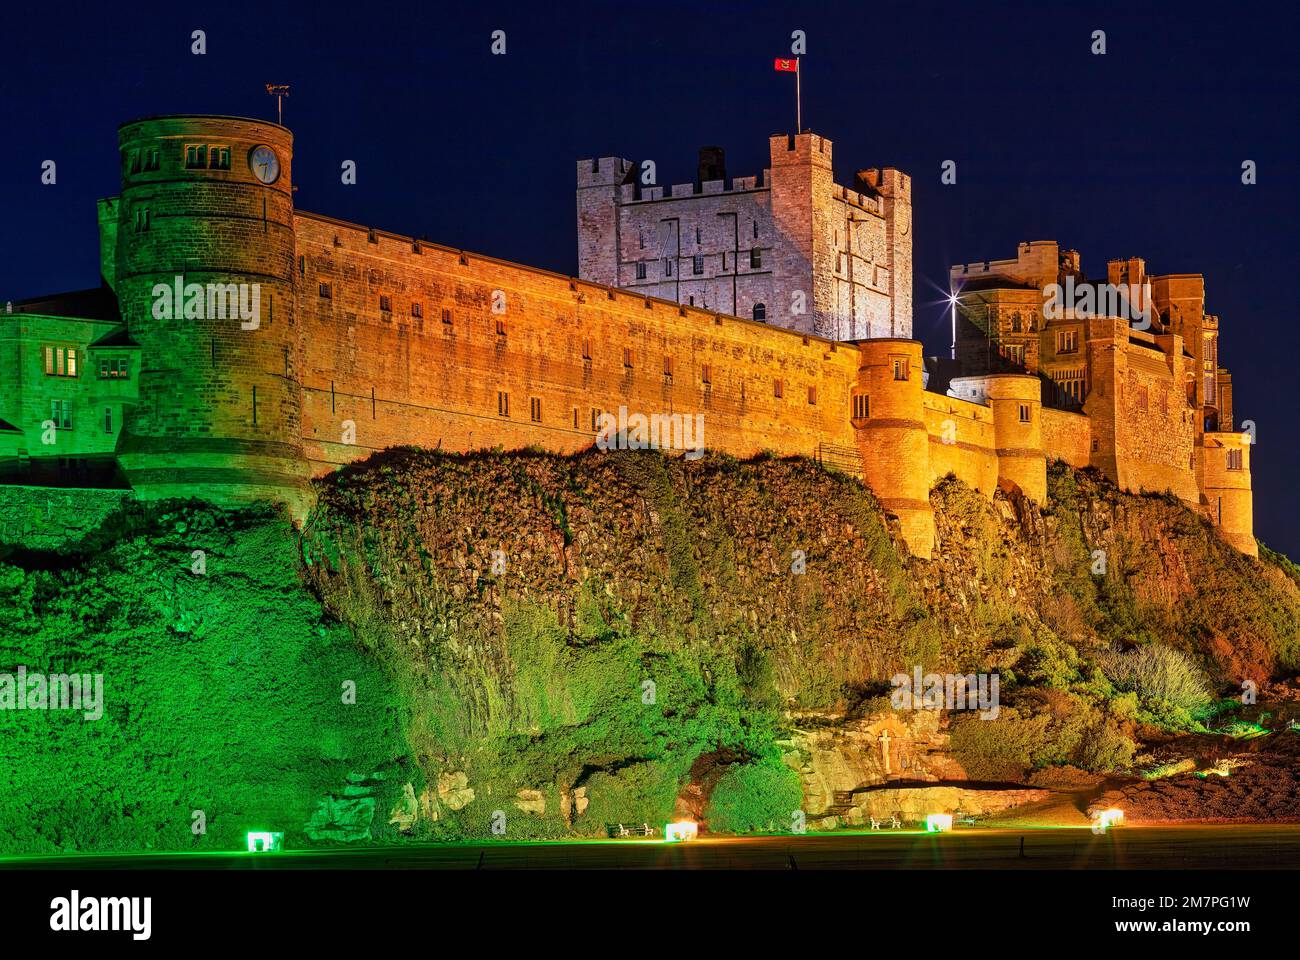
(1168, 683)
(754, 796)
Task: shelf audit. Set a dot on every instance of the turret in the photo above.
(205, 279)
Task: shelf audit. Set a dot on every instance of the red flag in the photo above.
(787, 66)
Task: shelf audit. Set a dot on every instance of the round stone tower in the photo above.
(205, 280)
(892, 436)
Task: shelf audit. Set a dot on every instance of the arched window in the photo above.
(760, 312)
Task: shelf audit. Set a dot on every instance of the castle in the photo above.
(777, 310)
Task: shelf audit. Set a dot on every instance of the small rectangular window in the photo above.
(627, 357)
(446, 316)
(108, 419)
(755, 259)
(417, 310)
(668, 369)
(697, 265)
(900, 368)
(586, 349)
(501, 327)
(640, 271)
(595, 419)
(325, 291)
(535, 409)
(861, 406)
(668, 268)
(61, 361)
(706, 375)
(1024, 413)
(386, 303)
(812, 396)
(503, 404)
(1234, 460)
(61, 414)
(778, 389)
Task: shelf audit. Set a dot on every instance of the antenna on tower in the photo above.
(279, 91)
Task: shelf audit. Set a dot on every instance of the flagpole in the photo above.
(798, 100)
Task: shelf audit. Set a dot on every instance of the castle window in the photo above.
(446, 316)
(627, 357)
(1024, 412)
(595, 419)
(778, 389)
(112, 368)
(219, 158)
(108, 419)
(812, 396)
(417, 310)
(755, 229)
(1234, 459)
(1096, 444)
(668, 268)
(141, 219)
(668, 369)
(61, 414)
(861, 406)
(755, 259)
(640, 239)
(640, 271)
(724, 263)
(386, 304)
(196, 157)
(134, 162)
(586, 349)
(302, 266)
(60, 361)
(706, 376)
(151, 160)
(900, 368)
(760, 312)
(501, 327)
(1067, 341)
(697, 235)
(325, 291)
(535, 409)
(503, 404)
(697, 264)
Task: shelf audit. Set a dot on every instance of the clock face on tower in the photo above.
(264, 164)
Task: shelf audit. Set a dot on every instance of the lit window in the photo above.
(61, 361)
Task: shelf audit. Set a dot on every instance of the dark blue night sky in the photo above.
(1137, 152)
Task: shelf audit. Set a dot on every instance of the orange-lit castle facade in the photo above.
(368, 340)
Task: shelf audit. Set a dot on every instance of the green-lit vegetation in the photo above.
(546, 645)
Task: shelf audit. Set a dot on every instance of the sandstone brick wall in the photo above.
(962, 442)
(403, 379)
(1067, 436)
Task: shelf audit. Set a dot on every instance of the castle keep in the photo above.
(366, 340)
